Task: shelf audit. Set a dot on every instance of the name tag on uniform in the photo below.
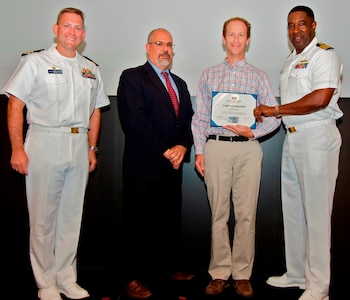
(54, 71)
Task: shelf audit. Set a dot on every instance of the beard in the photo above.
(164, 59)
(164, 62)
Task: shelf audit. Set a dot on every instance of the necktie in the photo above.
(171, 92)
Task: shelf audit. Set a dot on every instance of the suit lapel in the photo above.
(159, 84)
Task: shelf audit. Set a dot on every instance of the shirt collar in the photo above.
(158, 71)
(237, 64)
(308, 47)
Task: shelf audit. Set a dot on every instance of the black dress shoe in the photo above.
(136, 290)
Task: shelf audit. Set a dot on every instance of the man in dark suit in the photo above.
(158, 140)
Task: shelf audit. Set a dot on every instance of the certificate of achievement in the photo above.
(232, 109)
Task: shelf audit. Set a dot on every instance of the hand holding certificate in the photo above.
(232, 109)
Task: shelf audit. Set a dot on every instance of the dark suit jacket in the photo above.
(149, 122)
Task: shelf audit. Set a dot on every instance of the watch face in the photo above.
(93, 148)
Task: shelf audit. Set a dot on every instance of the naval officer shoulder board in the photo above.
(30, 52)
(35, 51)
(324, 46)
(90, 60)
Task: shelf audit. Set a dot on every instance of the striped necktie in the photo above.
(172, 93)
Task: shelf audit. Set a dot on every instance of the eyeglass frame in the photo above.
(162, 44)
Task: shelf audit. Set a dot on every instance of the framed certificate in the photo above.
(232, 109)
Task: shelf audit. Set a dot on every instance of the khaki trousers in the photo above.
(232, 173)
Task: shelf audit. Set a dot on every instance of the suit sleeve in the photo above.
(134, 115)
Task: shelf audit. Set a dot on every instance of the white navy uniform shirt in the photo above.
(55, 88)
(316, 67)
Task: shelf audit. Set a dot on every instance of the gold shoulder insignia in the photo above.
(30, 52)
(324, 46)
(90, 60)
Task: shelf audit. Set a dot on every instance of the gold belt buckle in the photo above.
(74, 130)
(292, 129)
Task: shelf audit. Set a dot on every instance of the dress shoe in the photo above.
(285, 281)
(73, 291)
(243, 288)
(136, 290)
(216, 286)
(50, 293)
(181, 276)
(312, 295)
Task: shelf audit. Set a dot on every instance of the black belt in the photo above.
(236, 138)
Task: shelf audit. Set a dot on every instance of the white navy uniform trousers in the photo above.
(59, 93)
(310, 159)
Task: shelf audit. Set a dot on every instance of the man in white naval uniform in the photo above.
(309, 89)
(62, 92)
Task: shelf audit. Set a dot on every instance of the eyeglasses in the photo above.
(160, 44)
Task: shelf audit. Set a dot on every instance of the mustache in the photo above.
(165, 53)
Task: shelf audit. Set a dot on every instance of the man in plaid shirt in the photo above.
(229, 157)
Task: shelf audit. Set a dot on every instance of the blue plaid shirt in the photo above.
(241, 77)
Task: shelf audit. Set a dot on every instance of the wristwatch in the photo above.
(277, 112)
(94, 148)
